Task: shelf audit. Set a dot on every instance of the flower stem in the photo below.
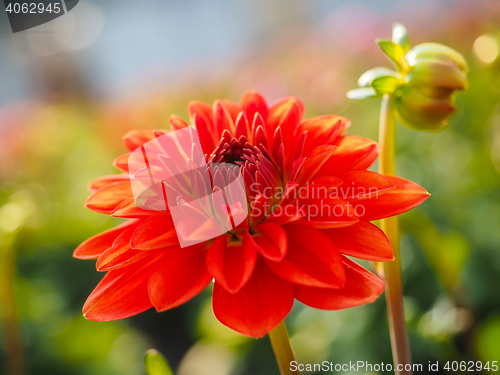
(392, 270)
(282, 348)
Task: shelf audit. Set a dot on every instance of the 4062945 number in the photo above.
(472, 366)
(33, 8)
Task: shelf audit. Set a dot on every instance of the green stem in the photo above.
(392, 270)
(282, 348)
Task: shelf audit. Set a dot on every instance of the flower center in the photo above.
(232, 150)
(263, 182)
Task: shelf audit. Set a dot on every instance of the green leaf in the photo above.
(400, 36)
(395, 53)
(156, 364)
(385, 85)
(366, 79)
(362, 93)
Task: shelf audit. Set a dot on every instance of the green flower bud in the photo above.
(417, 110)
(424, 85)
(439, 52)
(436, 73)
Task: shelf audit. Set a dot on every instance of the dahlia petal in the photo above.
(327, 213)
(230, 263)
(106, 199)
(121, 162)
(191, 208)
(119, 254)
(177, 123)
(366, 160)
(259, 206)
(115, 258)
(285, 214)
(311, 259)
(94, 246)
(122, 292)
(200, 109)
(312, 164)
(290, 194)
(128, 209)
(321, 130)
(256, 123)
(205, 134)
(361, 287)
(180, 275)
(272, 242)
(220, 209)
(223, 119)
(296, 167)
(328, 224)
(136, 138)
(362, 185)
(299, 145)
(286, 119)
(329, 182)
(362, 240)
(352, 153)
(283, 105)
(258, 307)
(101, 182)
(157, 232)
(242, 126)
(233, 108)
(404, 197)
(259, 137)
(199, 229)
(277, 140)
(252, 102)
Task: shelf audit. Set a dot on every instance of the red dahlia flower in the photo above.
(310, 198)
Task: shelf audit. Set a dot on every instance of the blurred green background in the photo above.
(70, 89)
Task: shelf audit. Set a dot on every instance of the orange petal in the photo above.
(119, 254)
(107, 180)
(258, 307)
(271, 241)
(95, 246)
(155, 233)
(311, 259)
(180, 275)
(122, 292)
(200, 109)
(223, 119)
(206, 134)
(251, 103)
(128, 209)
(314, 163)
(404, 197)
(361, 287)
(232, 107)
(362, 185)
(177, 123)
(352, 153)
(361, 240)
(321, 130)
(121, 162)
(232, 263)
(106, 199)
(136, 138)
